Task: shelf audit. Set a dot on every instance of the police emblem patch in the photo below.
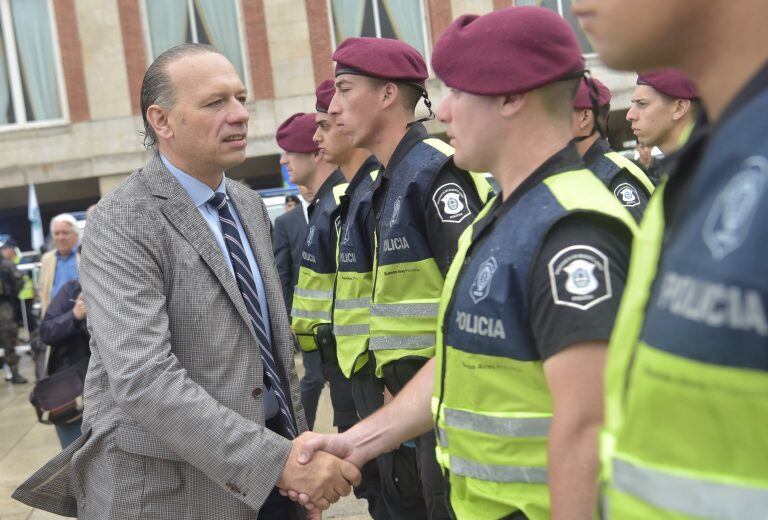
(579, 277)
(451, 203)
(482, 283)
(627, 194)
(396, 212)
(310, 235)
(728, 222)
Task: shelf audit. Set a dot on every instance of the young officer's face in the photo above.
(469, 122)
(300, 166)
(355, 108)
(642, 34)
(651, 116)
(334, 145)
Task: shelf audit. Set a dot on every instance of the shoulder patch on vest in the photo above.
(728, 222)
(451, 203)
(580, 277)
(627, 195)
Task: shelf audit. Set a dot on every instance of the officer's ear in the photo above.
(389, 94)
(680, 109)
(157, 116)
(511, 104)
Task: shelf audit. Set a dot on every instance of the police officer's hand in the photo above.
(309, 445)
(79, 310)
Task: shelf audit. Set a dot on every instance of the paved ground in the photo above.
(25, 445)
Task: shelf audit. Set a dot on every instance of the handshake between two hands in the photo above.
(320, 470)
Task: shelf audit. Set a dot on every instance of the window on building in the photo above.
(564, 9)
(400, 19)
(215, 22)
(30, 83)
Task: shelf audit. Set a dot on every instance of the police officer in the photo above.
(312, 307)
(629, 183)
(530, 298)
(663, 109)
(688, 366)
(421, 204)
(306, 168)
(11, 283)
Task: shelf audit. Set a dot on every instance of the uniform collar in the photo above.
(566, 159)
(370, 164)
(416, 132)
(597, 150)
(333, 179)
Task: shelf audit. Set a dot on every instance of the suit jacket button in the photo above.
(256, 392)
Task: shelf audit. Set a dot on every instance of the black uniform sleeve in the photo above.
(630, 193)
(282, 250)
(451, 207)
(576, 282)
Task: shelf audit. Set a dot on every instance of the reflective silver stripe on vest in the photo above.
(442, 437)
(355, 303)
(690, 496)
(401, 342)
(502, 426)
(351, 330)
(405, 310)
(313, 293)
(491, 473)
(311, 315)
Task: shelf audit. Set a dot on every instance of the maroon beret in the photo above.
(296, 132)
(670, 82)
(509, 51)
(585, 94)
(381, 58)
(324, 94)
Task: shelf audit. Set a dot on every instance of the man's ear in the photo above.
(158, 119)
(681, 108)
(586, 119)
(511, 104)
(389, 94)
(317, 157)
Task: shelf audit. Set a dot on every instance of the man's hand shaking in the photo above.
(316, 479)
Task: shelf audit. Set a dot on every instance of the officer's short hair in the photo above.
(157, 88)
(410, 95)
(557, 98)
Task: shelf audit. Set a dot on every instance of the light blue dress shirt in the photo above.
(66, 270)
(200, 193)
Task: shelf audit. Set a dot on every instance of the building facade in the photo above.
(71, 71)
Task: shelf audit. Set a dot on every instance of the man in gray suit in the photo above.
(192, 405)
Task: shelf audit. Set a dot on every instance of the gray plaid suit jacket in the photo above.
(173, 424)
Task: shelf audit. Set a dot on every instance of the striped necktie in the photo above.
(245, 282)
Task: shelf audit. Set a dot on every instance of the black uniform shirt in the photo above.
(442, 234)
(597, 239)
(600, 148)
(326, 190)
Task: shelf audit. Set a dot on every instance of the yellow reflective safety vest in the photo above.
(354, 278)
(313, 294)
(687, 371)
(28, 289)
(407, 279)
(492, 404)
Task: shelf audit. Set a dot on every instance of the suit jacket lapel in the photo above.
(186, 218)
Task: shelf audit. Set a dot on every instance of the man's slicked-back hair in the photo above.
(157, 88)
